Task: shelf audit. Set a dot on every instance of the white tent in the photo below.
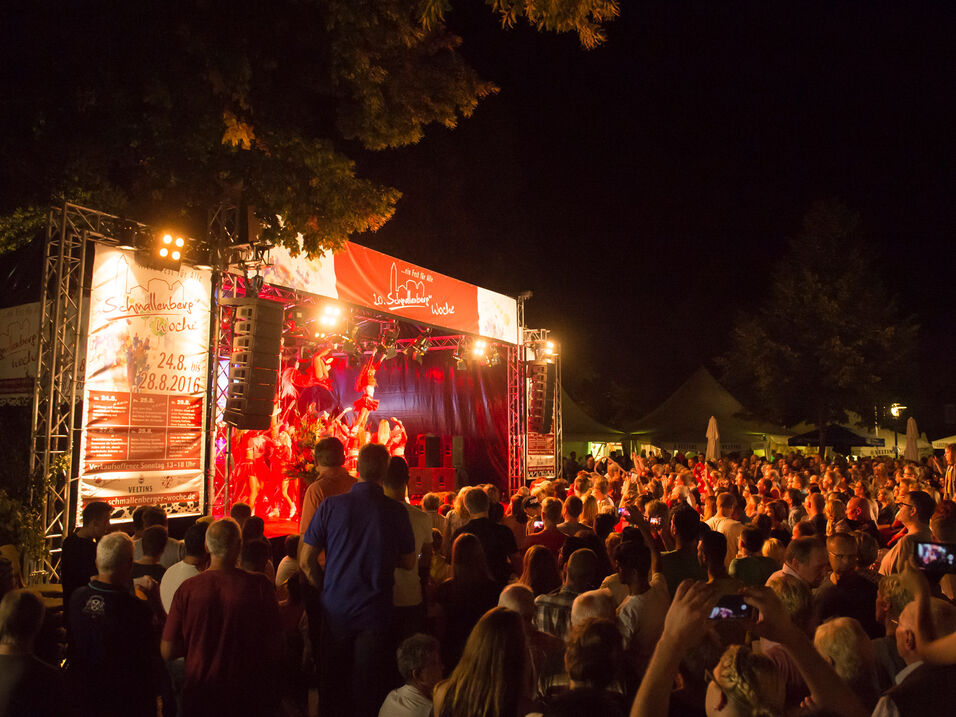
(679, 423)
(941, 443)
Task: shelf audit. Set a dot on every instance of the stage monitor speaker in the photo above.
(541, 404)
(429, 451)
(254, 363)
(457, 451)
(430, 480)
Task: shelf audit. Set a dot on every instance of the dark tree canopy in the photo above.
(829, 338)
(160, 110)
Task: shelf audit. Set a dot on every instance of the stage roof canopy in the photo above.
(364, 277)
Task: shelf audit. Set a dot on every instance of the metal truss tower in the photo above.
(59, 378)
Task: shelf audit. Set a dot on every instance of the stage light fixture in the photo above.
(330, 315)
(169, 251)
(459, 357)
(495, 358)
(418, 348)
(126, 235)
(479, 347)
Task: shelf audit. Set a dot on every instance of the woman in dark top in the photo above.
(464, 598)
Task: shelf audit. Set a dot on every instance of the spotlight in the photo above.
(478, 348)
(126, 235)
(417, 350)
(549, 348)
(169, 251)
(330, 315)
(494, 359)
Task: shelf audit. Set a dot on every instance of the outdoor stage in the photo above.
(148, 393)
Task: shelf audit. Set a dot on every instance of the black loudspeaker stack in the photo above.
(254, 364)
(541, 404)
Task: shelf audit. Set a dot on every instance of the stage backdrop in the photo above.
(436, 397)
(144, 396)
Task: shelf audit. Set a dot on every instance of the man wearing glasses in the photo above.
(915, 510)
(846, 593)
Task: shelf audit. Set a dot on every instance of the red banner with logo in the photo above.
(365, 277)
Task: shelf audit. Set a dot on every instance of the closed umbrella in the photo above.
(912, 436)
(713, 440)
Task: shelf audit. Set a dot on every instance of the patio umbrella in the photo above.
(713, 441)
(912, 436)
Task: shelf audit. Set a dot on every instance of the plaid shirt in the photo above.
(553, 611)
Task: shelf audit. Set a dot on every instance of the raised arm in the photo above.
(684, 626)
(827, 690)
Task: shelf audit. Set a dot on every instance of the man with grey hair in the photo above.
(501, 550)
(593, 604)
(114, 662)
(225, 622)
(419, 664)
(921, 688)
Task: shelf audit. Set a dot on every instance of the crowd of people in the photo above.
(642, 585)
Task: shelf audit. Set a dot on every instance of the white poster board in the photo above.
(144, 397)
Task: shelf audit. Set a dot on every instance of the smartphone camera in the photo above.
(732, 607)
(938, 558)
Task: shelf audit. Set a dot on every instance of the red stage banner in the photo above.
(368, 278)
(144, 395)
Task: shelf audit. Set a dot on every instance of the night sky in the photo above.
(643, 190)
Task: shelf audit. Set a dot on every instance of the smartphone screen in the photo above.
(655, 521)
(935, 557)
(732, 607)
(538, 524)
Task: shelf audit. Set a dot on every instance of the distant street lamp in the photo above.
(896, 410)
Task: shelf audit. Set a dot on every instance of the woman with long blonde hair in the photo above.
(493, 676)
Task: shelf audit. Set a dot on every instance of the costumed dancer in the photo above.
(281, 458)
(397, 439)
(305, 373)
(252, 468)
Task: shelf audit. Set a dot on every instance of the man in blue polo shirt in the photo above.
(365, 536)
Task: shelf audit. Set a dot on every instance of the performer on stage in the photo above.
(397, 439)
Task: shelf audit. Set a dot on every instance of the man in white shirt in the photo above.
(407, 596)
(173, 553)
(420, 666)
(192, 564)
(915, 510)
(724, 523)
(641, 616)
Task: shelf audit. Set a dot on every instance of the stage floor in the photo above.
(278, 527)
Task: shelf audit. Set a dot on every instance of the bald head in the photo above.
(593, 604)
(520, 599)
(858, 509)
(943, 615)
(582, 568)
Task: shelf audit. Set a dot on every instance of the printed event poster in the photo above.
(541, 454)
(145, 392)
(19, 339)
